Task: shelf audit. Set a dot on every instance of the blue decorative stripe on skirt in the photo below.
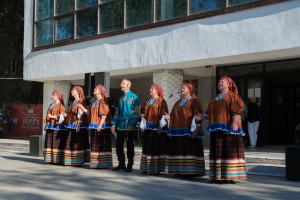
(153, 127)
(95, 126)
(54, 127)
(183, 132)
(224, 127)
(74, 125)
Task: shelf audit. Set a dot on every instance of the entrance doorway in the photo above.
(284, 113)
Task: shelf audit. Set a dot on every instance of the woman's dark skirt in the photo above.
(185, 156)
(101, 150)
(227, 157)
(76, 152)
(154, 152)
(54, 146)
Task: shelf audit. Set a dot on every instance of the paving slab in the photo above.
(27, 177)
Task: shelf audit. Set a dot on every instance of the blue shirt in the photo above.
(127, 113)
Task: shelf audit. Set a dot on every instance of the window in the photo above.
(170, 9)
(85, 3)
(44, 33)
(44, 9)
(112, 16)
(200, 6)
(43, 25)
(139, 12)
(63, 6)
(238, 2)
(86, 23)
(60, 20)
(64, 28)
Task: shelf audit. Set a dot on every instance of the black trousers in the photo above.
(121, 137)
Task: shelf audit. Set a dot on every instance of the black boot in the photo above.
(119, 167)
(129, 168)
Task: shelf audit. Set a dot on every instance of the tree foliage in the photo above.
(11, 37)
(14, 89)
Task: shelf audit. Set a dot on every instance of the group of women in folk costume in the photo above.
(175, 149)
(182, 153)
(67, 135)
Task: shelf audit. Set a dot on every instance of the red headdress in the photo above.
(79, 91)
(191, 88)
(102, 90)
(60, 96)
(158, 89)
(231, 84)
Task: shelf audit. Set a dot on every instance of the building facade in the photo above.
(167, 42)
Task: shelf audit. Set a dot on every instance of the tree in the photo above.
(12, 87)
(11, 38)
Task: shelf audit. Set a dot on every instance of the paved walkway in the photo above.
(268, 160)
(27, 177)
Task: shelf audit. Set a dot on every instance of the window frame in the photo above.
(153, 24)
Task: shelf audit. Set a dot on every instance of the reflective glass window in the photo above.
(44, 9)
(200, 6)
(64, 6)
(64, 28)
(170, 9)
(85, 3)
(104, 1)
(86, 23)
(138, 12)
(112, 16)
(44, 33)
(238, 2)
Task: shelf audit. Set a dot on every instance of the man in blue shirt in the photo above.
(124, 123)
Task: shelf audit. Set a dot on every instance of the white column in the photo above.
(170, 80)
(49, 87)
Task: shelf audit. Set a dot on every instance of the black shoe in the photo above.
(188, 176)
(216, 182)
(228, 182)
(129, 168)
(119, 167)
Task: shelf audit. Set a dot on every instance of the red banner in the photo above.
(27, 120)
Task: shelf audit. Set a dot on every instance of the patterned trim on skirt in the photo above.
(54, 146)
(154, 152)
(76, 148)
(185, 156)
(101, 151)
(227, 157)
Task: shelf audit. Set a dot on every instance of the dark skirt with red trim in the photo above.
(227, 157)
(154, 152)
(185, 156)
(76, 152)
(54, 146)
(101, 150)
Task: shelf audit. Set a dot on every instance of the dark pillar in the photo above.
(292, 162)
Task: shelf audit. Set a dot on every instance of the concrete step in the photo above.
(14, 149)
(14, 145)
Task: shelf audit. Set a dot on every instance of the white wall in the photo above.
(264, 33)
